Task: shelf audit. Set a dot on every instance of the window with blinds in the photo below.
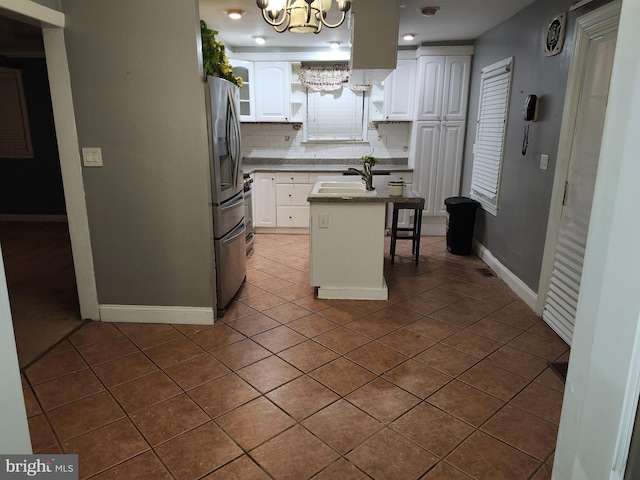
(495, 88)
(338, 115)
(15, 139)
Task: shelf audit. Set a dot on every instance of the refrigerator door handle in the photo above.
(232, 205)
(242, 229)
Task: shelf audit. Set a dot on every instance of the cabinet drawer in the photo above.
(287, 195)
(292, 177)
(297, 217)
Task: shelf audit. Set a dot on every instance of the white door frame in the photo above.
(588, 27)
(52, 23)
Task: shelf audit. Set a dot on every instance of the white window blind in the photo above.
(15, 139)
(338, 115)
(495, 88)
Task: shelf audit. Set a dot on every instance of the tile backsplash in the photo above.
(282, 140)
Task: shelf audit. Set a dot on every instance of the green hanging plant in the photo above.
(214, 57)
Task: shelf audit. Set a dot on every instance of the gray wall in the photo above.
(54, 4)
(138, 94)
(516, 235)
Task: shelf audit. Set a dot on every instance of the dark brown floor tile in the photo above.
(441, 295)
(508, 425)
(173, 352)
(485, 458)
(143, 467)
(541, 328)
(342, 426)
(493, 380)
(516, 314)
(63, 346)
(308, 356)
(264, 301)
(293, 455)
(432, 328)
(341, 314)
(312, 325)
(145, 391)
(254, 423)
(446, 359)
(342, 340)
(169, 419)
(101, 352)
(287, 312)
(67, 389)
(40, 432)
(84, 415)
(253, 324)
(223, 394)
(371, 326)
(302, 397)
(417, 378)
(367, 306)
(342, 376)
(494, 330)
(249, 290)
(541, 401)
(297, 291)
(216, 337)
(31, 402)
(398, 315)
(196, 371)
(198, 452)
(518, 362)
(376, 357)
(341, 469)
(313, 304)
(406, 342)
(475, 305)
(235, 311)
(498, 293)
(550, 379)
(543, 473)
(457, 316)
(54, 366)
(124, 369)
(191, 329)
(422, 305)
(154, 335)
(545, 347)
(471, 344)
(240, 354)
(243, 468)
(462, 288)
(432, 429)
(93, 332)
(127, 328)
(390, 456)
(383, 400)
(278, 339)
(123, 440)
(267, 374)
(444, 471)
(465, 402)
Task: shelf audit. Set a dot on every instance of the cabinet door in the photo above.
(264, 200)
(399, 91)
(430, 87)
(427, 151)
(456, 88)
(449, 164)
(272, 91)
(244, 70)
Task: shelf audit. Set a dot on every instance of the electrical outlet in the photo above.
(323, 220)
(544, 161)
(92, 157)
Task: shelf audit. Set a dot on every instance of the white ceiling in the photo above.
(457, 20)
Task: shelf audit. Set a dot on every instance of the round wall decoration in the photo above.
(553, 37)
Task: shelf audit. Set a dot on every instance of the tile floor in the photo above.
(446, 380)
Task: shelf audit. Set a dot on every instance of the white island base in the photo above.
(347, 250)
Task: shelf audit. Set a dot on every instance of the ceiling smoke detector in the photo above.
(428, 11)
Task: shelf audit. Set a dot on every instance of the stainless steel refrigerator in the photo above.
(227, 199)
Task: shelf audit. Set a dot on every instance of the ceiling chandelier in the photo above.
(300, 16)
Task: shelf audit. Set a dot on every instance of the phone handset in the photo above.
(530, 114)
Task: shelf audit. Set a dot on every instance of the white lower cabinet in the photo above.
(264, 200)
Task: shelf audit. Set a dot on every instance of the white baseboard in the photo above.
(156, 314)
(521, 289)
(7, 217)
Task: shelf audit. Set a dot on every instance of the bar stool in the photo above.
(417, 205)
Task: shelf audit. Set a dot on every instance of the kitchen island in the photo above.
(347, 229)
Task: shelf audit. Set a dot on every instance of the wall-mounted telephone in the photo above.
(530, 111)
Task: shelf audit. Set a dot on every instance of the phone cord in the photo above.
(525, 142)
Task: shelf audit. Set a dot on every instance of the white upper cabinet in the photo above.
(399, 92)
(272, 87)
(443, 87)
(244, 70)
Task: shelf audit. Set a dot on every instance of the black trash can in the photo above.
(461, 220)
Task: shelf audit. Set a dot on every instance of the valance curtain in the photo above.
(328, 78)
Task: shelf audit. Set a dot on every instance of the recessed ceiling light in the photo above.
(409, 36)
(260, 40)
(428, 11)
(334, 44)
(235, 13)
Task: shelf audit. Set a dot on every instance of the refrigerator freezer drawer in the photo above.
(231, 264)
(226, 216)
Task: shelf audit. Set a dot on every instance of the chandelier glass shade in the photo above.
(301, 16)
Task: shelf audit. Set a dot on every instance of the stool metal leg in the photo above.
(394, 233)
(417, 223)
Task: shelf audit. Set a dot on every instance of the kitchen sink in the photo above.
(341, 189)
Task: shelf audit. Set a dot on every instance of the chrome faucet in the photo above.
(366, 174)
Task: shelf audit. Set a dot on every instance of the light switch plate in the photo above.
(544, 161)
(92, 157)
(323, 220)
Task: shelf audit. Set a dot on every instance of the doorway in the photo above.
(576, 171)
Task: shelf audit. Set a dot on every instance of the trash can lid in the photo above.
(461, 201)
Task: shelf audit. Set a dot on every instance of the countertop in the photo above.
(321, 165)
(383, 196)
